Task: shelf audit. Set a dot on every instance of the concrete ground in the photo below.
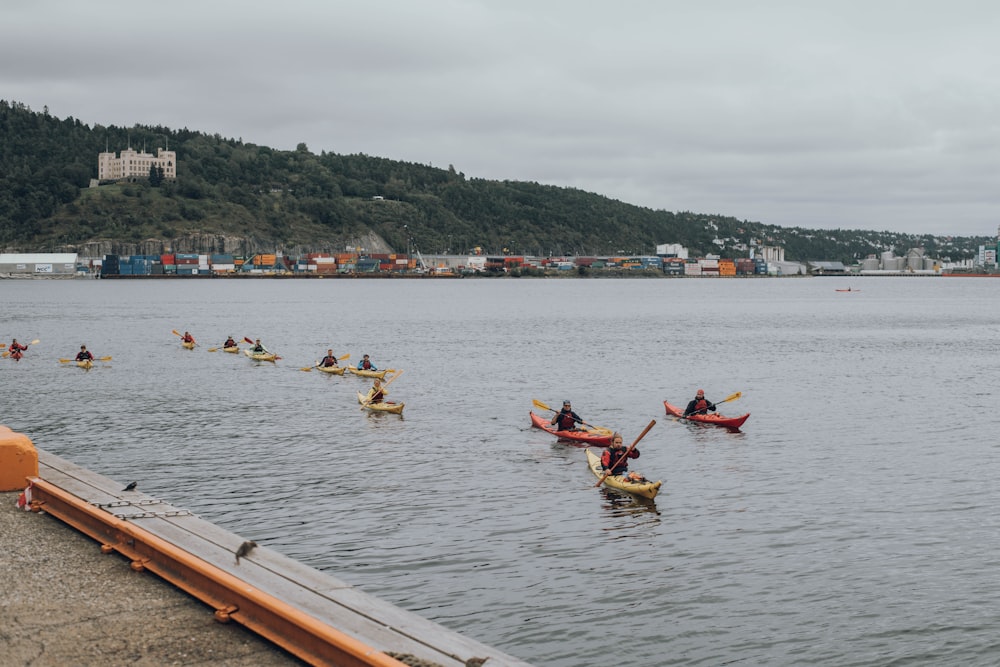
(63, 602)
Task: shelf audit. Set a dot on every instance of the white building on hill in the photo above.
(133, 164)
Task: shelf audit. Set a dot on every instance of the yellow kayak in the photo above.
(187, 345)
(645, 489)
(261, 356)
(87, 364)
(394, 408)
(232, 350)
(333, 370)
(368, 374)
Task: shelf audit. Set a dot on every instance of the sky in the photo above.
(881, 115)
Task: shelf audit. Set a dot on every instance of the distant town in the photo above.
(668, 260)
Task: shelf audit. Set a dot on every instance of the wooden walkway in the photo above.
(316, 617)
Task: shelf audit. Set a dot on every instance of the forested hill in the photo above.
(231, 192)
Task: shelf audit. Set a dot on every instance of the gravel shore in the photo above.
(66, 603)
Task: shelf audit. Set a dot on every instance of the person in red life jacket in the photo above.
(329, 360)
(187, 338)
(84, 354)
(614, 459)
(230, 343)
(566, 419)
(366, 365)
(16, 349)
(699, 405)
(376, 394)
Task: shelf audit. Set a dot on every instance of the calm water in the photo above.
(852, 522)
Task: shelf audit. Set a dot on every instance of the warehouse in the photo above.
(38, 265)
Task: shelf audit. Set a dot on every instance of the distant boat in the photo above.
(848, 290)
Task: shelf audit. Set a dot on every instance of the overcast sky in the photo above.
(826, 114)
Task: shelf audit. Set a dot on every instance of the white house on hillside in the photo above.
(133, 164)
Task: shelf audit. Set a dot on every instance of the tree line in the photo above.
(297, 200)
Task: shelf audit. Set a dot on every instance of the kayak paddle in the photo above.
(541, 406)
(731, 397)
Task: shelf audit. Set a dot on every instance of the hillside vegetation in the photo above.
(232, 196)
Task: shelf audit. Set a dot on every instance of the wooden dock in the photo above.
(320, 619)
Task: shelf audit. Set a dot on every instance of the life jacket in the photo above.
(229, 343)
(609, 457)
(366, 365)
(566, 421)
(84, 356)
(328, 361)
(700, 404)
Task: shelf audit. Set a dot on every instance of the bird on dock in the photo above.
(244, 549)
(131, 486)
(475, 662)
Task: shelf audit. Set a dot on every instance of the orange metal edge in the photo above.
(275, 613)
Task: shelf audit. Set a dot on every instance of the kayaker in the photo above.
(258, 348)
(366, 365)
(229, 342)
(16, 348)
(84, 354)
(376, 394)
(329, 360)
(566, 419)
(615, 456)
(699, 405)
(187, 337)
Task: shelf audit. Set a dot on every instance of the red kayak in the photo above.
(710, 418)
(595, 437)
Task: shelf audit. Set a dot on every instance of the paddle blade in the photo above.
(104, 358)
(212, 349)
(344, 358)
(66, 361)
(731, 397)
(541, 406)
(248, 340)
(175, 332)
(307, 369)
(5, 355)
(35, 342)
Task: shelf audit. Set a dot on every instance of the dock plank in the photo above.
(340, 605)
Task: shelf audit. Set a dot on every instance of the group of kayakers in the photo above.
(614, 459)
(376, 394)
(17, 349)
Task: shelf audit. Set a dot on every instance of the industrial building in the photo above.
(38, 265)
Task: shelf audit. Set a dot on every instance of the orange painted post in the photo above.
(18, 460)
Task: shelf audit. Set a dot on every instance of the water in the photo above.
(851, 522)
